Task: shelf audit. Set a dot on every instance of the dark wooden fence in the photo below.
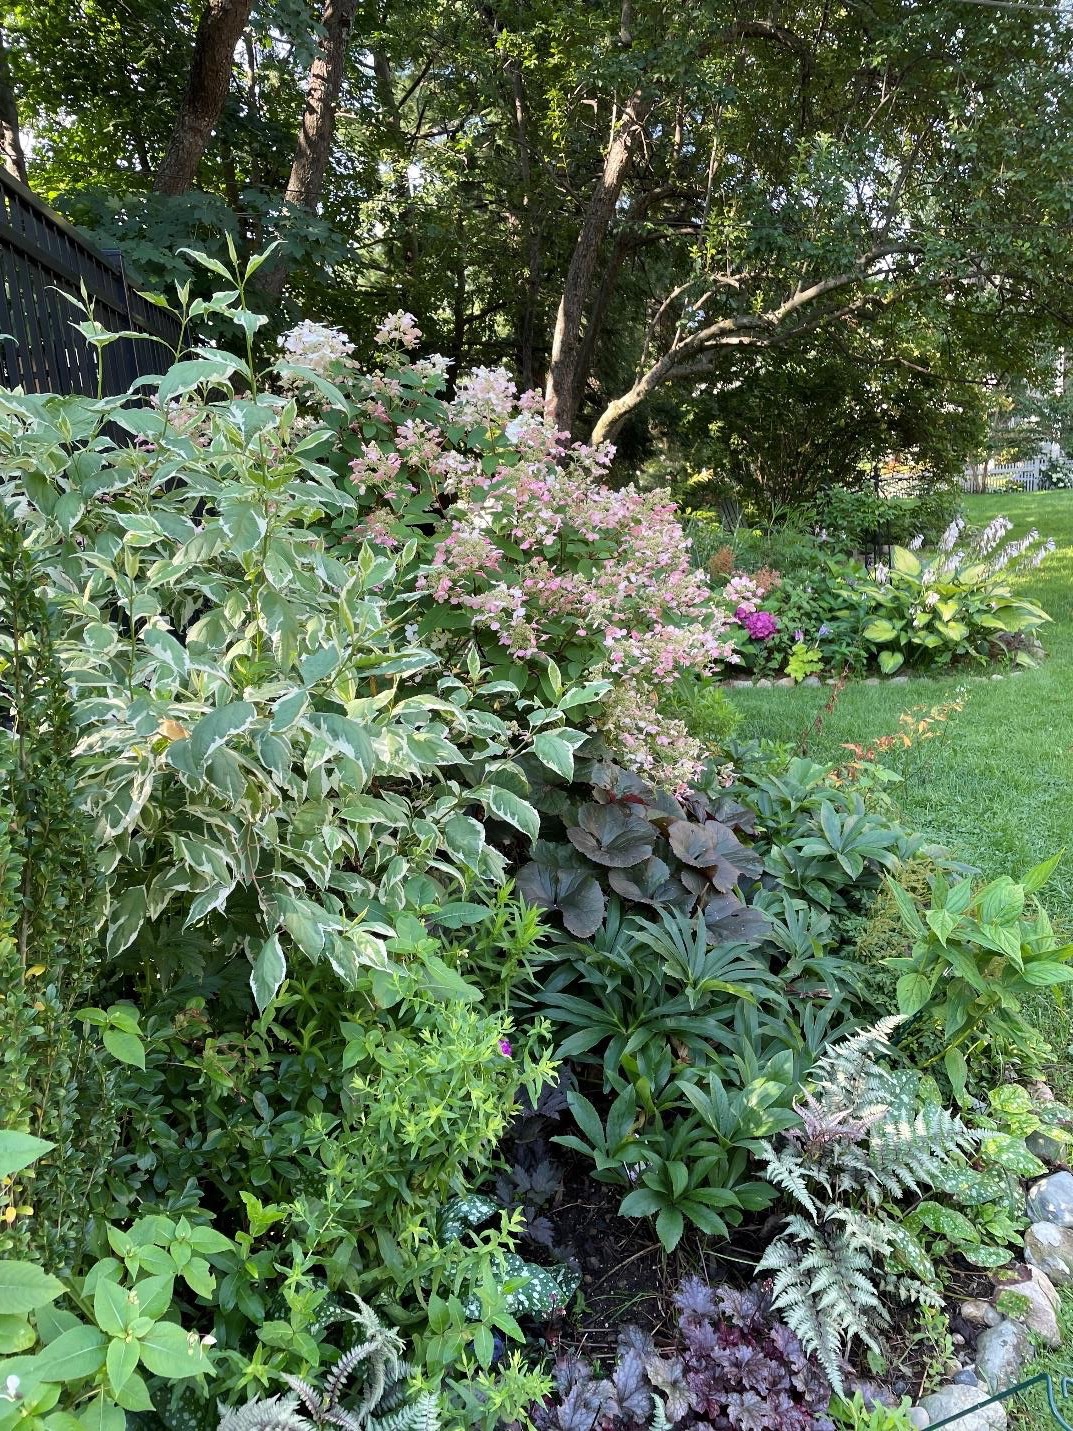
(40, 351)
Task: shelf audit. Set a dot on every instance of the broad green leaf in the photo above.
(905, 562)
(1038, 876)
(18, 1151)
(880, 630)
(509, 807)
(890, 661)
(121, 1361)
(125, 919)
(913, 992)
(269, 970)
(1045, 972)
(215, 728)
(166, 1350)
(74, 1354)
(126, 1047)
(24, 1286)
(16, 1334)
(957, 1070)
(102, 1414)
(554, 752)
(113, 1309)
(344, 737)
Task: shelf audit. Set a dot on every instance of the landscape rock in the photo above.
(1051, 1200)
(1040, 1315)
(953, 1400)
(919, 1418)
(899, 680)
(967, 1376)
(812, 680)
(785, 681)
(764, 681)
(1050, 1249)
(980, 1313)
(1001, 1352)
(872, 681)
(1049, 1149)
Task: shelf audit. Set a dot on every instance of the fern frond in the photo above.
(275, 1413)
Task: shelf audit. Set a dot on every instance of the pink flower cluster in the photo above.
(548, 560)
(761, 625)
(398, 330)
(745, 593)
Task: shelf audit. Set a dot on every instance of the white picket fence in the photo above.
(1026, 473)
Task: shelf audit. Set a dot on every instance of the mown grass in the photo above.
(996, 785)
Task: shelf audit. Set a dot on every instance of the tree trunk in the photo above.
(219, 31)
(317, 129)
(11, 152)
(561, 395)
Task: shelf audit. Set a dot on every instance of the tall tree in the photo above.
(317, 128)
(219, 31)
(11, 152)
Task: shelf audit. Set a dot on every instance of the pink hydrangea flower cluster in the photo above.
(745, 593)
(547, 559)
(398, 330)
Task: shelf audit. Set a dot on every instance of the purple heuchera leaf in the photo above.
(735, 1368)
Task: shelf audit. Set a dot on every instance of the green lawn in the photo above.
(997, 785)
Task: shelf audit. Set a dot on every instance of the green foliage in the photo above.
(96, 1359)
(867, 1139)
(976, 953)
(706, 710)
(55, 1083)
(857, 518)
(932, 611)
(804, 661)
(857, 1415)
(381, 1406)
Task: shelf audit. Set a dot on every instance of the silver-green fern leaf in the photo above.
(866, 1140)
(380, 1406)
(275, 1413)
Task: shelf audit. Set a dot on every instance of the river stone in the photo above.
(1049, 1149)
(1051, 1200)
(1041, 1314)
(1050, 1249)
(1001, 1352)
(919, 1418)
(966, 1377)
(980, 1313)
(953, 1400)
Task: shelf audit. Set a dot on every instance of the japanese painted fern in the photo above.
(380, 1403)
(866, 1141)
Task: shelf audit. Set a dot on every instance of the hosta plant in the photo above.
(960, 603)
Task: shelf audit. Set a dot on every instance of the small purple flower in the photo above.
(505, 1047)
(824, 630)
(799, 635)
(760, 625)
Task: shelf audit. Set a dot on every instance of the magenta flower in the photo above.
(761, 625)
(505, 1048)
(799, 635)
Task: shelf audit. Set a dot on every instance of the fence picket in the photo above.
(41, 252)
